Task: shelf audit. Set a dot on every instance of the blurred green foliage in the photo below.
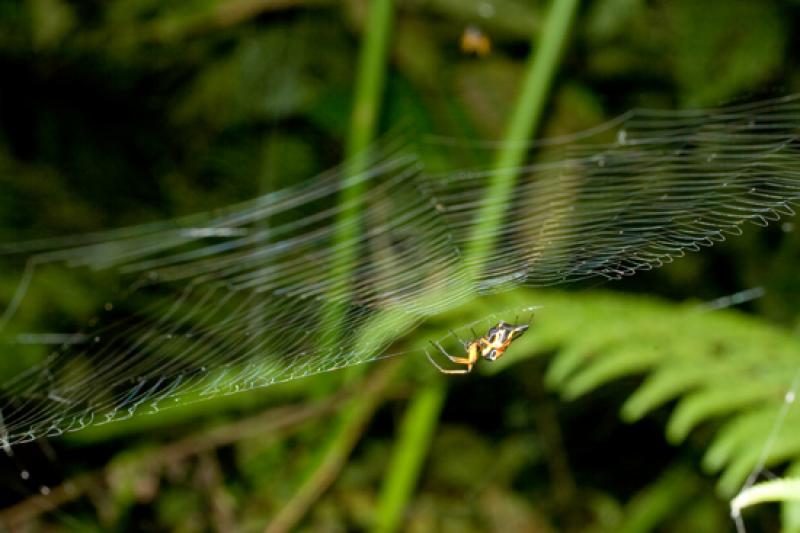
(123, 111)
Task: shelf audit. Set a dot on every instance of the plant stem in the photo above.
(525, 117)
(370, 78)
(416, 431)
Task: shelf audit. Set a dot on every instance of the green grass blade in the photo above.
(416, 431)
(370, 81)
(525, 117)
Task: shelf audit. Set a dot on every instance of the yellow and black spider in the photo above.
(492, 346)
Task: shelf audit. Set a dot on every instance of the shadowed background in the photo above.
(124, 112)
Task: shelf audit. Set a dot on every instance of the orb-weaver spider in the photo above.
(492, 346)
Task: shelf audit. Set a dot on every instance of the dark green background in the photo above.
(127, 111)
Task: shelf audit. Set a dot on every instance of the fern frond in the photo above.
(722, 367)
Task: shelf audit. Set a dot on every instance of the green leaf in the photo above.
(660, 387)
(617, 362)
(706, 404)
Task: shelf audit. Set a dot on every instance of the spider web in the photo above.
(246, 296)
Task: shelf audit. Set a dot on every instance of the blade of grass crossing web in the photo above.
(525, 118)
(370, 81)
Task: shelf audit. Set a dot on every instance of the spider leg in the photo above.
(458, 371)
(434, 363)
(453, 358)
(438, 346)
(453, 333)
(448, 371)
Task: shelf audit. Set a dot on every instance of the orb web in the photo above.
(246, 296)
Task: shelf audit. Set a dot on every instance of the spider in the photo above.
(492, 347)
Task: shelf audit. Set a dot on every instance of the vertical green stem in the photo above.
(370, 81)
(371, 77)
(416, 433)
(525, 117)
